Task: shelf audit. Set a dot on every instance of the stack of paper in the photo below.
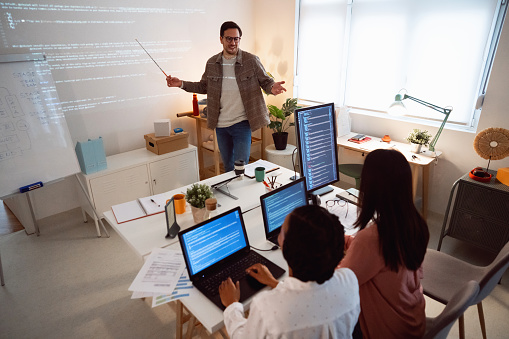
(163, 277)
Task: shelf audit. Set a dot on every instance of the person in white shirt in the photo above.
(315, 301)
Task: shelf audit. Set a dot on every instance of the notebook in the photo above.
(218, 248)
(139, 208)
(277, 204)
(249, 170)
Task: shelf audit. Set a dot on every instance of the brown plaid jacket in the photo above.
(250, 76)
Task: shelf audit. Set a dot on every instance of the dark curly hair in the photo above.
(314, 243)
(227, 25)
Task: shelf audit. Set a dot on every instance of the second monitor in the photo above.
(317, 147)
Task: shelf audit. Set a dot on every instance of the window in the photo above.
(361, 53)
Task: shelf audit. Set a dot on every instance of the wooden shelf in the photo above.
(217, 168)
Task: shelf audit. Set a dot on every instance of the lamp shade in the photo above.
(397, 108)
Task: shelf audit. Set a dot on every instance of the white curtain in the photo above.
(435, 49)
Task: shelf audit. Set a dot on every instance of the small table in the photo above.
(281, 157)
(423, 160)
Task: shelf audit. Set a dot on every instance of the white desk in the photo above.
(147, 233)
(423, 160)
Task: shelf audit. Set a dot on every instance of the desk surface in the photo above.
(144, 234)
(423, 159)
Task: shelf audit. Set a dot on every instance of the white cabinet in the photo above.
(137, 174)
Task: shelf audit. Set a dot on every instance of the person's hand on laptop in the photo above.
(229, 292)
(262, 274)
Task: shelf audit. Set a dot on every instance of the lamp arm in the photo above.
(435, 139)
(427, 104)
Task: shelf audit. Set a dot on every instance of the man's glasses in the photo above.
(230, 38)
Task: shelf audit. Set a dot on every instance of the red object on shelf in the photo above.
(486, 178)
(366, 139)
(196, 110)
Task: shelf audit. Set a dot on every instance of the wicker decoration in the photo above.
(492, 143)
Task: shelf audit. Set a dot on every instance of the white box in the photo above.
(162, 128)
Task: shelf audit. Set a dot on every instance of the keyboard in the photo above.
(236, 271)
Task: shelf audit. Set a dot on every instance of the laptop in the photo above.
(277, 204)
(218, 248)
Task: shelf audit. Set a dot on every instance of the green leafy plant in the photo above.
(419, 137)
(197, 194)
(278, 116)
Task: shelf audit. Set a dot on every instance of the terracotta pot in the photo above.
(198, 214)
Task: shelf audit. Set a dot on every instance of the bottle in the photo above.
(210, 208)
(196, 110)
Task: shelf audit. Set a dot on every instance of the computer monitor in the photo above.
(317, 147)
(277, 204)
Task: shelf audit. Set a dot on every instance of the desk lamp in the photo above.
(398, 108)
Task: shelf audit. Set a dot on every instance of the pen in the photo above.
(265, 184)
(155, 202)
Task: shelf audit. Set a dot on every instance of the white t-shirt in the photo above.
(296, 309)
(232, 108)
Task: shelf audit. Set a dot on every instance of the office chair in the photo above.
(439, 327)
(443, 274)
(352, 170)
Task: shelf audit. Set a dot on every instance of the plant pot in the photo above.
(280, 140)
(198, 214)
(416, 148)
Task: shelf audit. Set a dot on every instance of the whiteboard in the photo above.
(35, 144)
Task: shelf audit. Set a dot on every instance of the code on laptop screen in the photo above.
(214, 241)
(278, 205)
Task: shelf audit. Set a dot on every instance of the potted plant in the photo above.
(418, 138)
(279, 122)
(196, 196)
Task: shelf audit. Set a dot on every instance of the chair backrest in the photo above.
(439, 327)
(493, 273)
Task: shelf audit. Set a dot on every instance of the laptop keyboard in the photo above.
(236, 271)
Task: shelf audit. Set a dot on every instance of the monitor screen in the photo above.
(276, 205)
(213, 240)
(317, 146)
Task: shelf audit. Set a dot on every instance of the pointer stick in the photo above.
(150, 57)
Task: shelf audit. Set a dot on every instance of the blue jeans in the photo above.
(234, 143)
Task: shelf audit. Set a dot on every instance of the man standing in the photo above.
(235, 104)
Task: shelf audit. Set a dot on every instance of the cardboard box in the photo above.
(164, 145)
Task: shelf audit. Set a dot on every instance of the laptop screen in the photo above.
(276, 205)
(213, 240)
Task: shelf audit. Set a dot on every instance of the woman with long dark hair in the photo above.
(387, 252)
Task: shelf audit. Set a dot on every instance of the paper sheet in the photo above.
(160, 273)
(128, 211)
(154, 204)
(184, 285)
(249, 170)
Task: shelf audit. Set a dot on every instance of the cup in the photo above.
(260, 174)
(239, 167)
(180, 203)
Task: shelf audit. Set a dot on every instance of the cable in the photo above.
(293, 164)
(272, 249)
